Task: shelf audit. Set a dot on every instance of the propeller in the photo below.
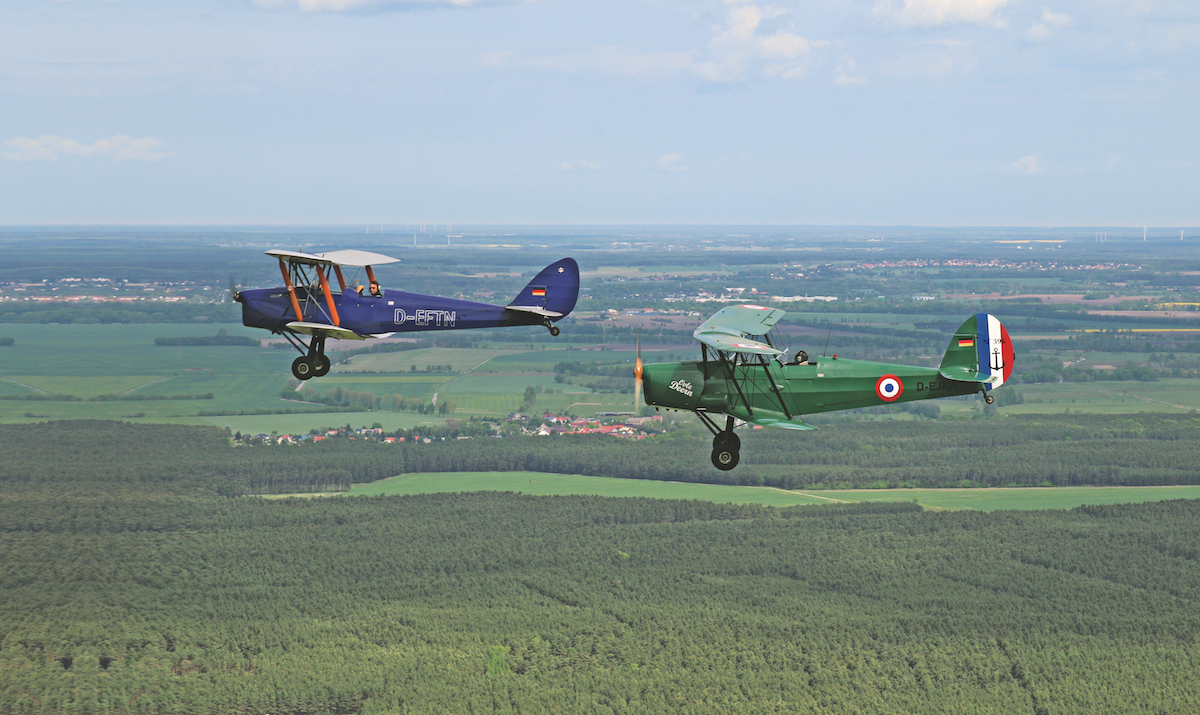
(637, 377)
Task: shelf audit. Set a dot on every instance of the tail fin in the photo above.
(554, 290)
(980, 351)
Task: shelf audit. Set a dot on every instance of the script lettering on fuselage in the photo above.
(437, 318)
(682, 386)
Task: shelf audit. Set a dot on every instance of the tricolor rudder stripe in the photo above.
(995, 349)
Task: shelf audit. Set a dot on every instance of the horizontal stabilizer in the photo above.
(785, 424)
(324, 329)
(535, 310)
(966, 374)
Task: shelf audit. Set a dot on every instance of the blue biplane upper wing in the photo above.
(727, 329)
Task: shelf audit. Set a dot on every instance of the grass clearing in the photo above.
(539, 483)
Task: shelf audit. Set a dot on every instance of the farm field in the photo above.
(459, 360)
(91, 360)
(543, 484)
(1109, 397)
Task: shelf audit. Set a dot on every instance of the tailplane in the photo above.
(980, 351)
(552, 293)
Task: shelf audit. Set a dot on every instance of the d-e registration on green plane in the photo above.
(744, 377)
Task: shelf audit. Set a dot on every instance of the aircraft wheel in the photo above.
(554, 331)
(321, 365)
(303, 368)
(728, 440)
(724, 458)
(989, 399)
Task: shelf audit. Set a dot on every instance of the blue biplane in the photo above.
(306, 305)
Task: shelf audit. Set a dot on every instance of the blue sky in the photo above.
(883, 112)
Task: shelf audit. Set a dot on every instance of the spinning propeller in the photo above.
(637, 377)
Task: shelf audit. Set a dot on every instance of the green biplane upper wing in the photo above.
(728, 328)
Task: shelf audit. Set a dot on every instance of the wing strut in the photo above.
(731, 366)
(767, 369)
(333, 314)
(287, 280)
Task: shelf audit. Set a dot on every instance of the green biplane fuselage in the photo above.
(824, 385)
(743, 376)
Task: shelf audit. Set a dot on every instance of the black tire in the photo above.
(303, 368)
(321, 367)
(727, 440)
(554, 331)
(725, 459)
(989, 399)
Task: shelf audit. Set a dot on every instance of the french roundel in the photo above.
(889, 388)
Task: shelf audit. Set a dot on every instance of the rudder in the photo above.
(555, 288)
(980, 351)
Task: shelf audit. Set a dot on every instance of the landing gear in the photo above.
(322, 365)
(726, 447)
(554, 331)
(724, 458)
(303, 368)
(312, 362)
(989, 398)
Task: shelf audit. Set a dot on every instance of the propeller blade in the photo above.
(637, 377)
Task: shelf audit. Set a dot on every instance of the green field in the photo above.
(459, 360)
(1108, 397)
(541, 484)
(91, 360)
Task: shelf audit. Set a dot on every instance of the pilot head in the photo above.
(375, 289)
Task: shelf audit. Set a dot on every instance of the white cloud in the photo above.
(1050, 21)
(610, 60)
(49, 147)
(847, 72)
(737, 46)
(737, 51)
(579, 165)
(1028, 165)
(930, 13)
(670, 162)
(351, 5)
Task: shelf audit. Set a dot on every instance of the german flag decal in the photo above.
(966, 342)
(539, 292)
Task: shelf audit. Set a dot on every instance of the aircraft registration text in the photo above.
(439, 318)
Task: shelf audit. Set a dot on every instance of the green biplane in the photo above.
(743, 376)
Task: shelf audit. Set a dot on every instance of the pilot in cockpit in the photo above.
(374, 292)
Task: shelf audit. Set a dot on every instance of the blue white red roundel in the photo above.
(889, 388)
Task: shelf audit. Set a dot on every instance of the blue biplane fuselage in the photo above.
(308, 306)
(395, 311)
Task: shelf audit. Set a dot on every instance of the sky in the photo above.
(822, 112)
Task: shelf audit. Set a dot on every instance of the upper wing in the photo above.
(334, 258)
(727, 330)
